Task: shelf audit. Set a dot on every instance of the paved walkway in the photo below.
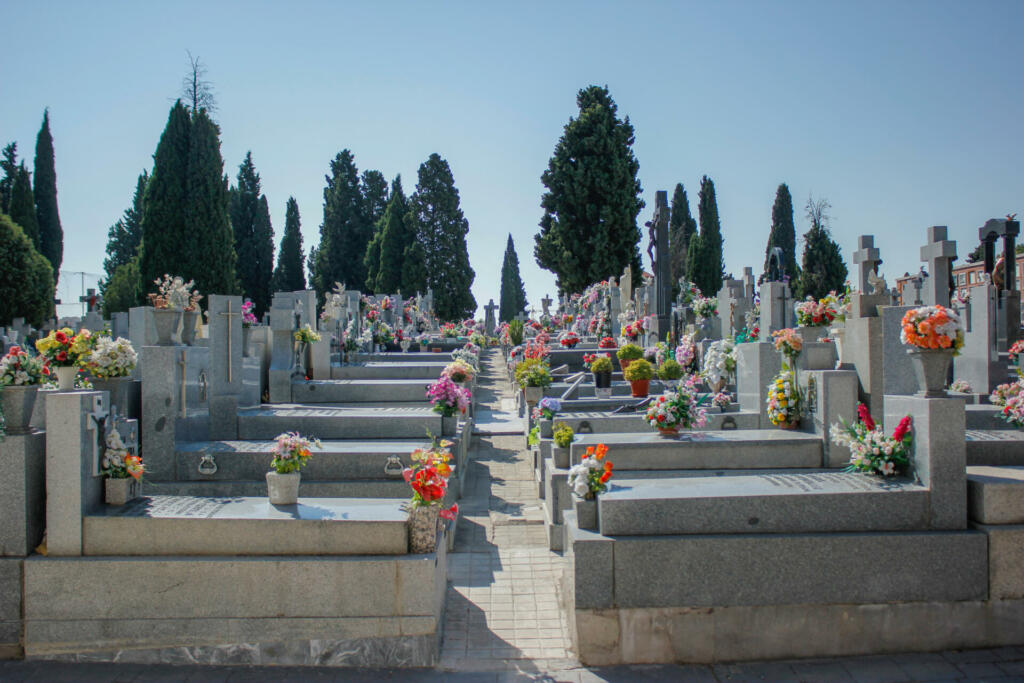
(503, 616)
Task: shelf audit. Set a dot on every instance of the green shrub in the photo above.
(123, 290)
(639, 369)
(601, 364)
(629, 352)
(515, 332)
(563, 435)
(26, 277)
(670, 370)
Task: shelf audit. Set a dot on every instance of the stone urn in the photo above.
(449, 425)
(404, 345)
(283, 489)
(188, 327)
(246, 340)
(17, 403)
(424, 523)
(931, 366)
(166, 322)
(586, 511)
(121, 491)
(66, 377)
(838, 335)
(533, 395)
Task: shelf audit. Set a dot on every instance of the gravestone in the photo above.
(661, 264)
(1008, 305)
(749, 284)
(862, 343)
(283, 319)
(226, 369)
(733, 306)
(119, 325)
(546, 304)
(489, 319)
(939, 254)
(757, 364)
(93, 322)
(978, 363)
(776, 308)
(898, 376)
(626, 287)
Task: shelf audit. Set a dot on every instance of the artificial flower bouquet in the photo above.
(547, 408)
(722, 400)
(788, 343)
(705, 306)
(839, 304)
(871, 451)
(961, 386)
(459, 371)
(933, 327)
(719, 361)
(606, 343)
(248, 317)
(306, 335)
(784, 400)
(173, 293)
(633, 330)
(118, 462)
(569, 340)
(1015, 351)
(382, 334)
(1010, 397)
(682, 408)
(447, 397)
(449, 330)
(428, 478)
(110, 357)
(686, 353)
(468, 357)
(590, 477)
(18, 369)
(64, 348)
(589, 358)
(811, 313)
(292, 451)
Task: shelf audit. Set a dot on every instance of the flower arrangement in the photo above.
(788, 343)
(477, 339)
(1015, 352)
(871, 451)
(447, 397)
(686, 352)
(606, 343)
(64, 348)
(428, 478)
(459, 371)
(536, 349)
(688, 291)
(748, 334)
(722, 400)
(630, 352)
(1010, 397)
(839, 304)
(633, 330)
(535, 374)
(933, 327)
(590, 477)
(705, 306)
(719, 361)
(548, 407)
(662, 352)
(382, 333)
(811, 313)
(372, 314)
(351, 339)
(306, 335)
(248, 317)
(784, 400)
(468, 357)
(292, 451)
(423, 339)
(682, 408)
(569, 340)
(562, 435)
(173, 293)
(111, 357)
(589, 358)
(118, 462)
(961, 387)
(1005, 392)
(449, 330)
(18, 369)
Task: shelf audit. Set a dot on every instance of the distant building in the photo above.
(965, 276)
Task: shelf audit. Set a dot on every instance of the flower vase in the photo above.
(533, 395)
(424, 348)
(586, 512)
(188, 327)
(66, 377)
(17, 403)
(246, 340)
(299, 363)
(283, 489)
(404, 344)
(932, 368)
(668, 431)
(424, 521)
(121, 491)
(640, 387)
(165, 320)
(449, 423)
(811, 334)
(838, 335)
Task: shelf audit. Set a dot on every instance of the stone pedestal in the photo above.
(830, 395)
(22, 493)
(757, 363)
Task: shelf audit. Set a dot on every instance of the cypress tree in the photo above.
(253, 236)
(395, 235)
(588, 231)
(9, 165)
(374, 189)
(704, 257)
(289, 276)
(23, 206)
(414, 264)
(163, 217)
(441, 227)
(783, 234)
(344, 233)
(51, 235)
(681, 228)
(371, 260)
(823, 267)
(265, 242)
(513, 294)
(125, 235)
(26, 278)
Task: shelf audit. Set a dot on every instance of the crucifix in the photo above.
(867, 257)
(229, 314)
(939, 253)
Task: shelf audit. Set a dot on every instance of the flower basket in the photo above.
(17, 403)
(121, 491)
(424, 523)
(66, 377)
(283, 489)
(932, 368)
(165, 320)
(640, 387)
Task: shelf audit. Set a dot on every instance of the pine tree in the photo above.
(51, 235)
(441, 227)
(125, 235)
(513, 294)
(253, 236)
(26, 278)
(23, 205)
(344, 233)
(681, 228)
(704, 259)
(589, 232)
(289, 276)
(163, 216)
(783, 235)
(823, 268)
(395, 235)
(9, 165)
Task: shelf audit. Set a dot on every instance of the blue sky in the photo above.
(902, 114)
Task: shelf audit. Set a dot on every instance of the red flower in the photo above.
(606, 476)
(902, 428)
(865, 416)
(62, 357)
(450, 513)
(61, 337)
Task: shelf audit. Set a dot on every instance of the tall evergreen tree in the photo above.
(9, 165)
(164, 235)
(513, 294)
(26, 279)
(51, 235)
(371, 261)
(125, 235)
(681, 227)
(344, 233)
(253, 236)
(441, 227)
(395, 234)
(23, 206)
(589, 232)
(414, 264)
(823, 267)
(289, 276)
(704, 258)
(374, 188)
(783, 234)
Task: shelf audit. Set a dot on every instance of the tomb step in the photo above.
(743, 449)
(333, 460)
(986, 417)
(995, 447)
(360, 391)
(995, 495)
(192, 525)
(332, 422)
(390, 370)
(410, 357)
(361, 488)
(769, 502)
(598, 422)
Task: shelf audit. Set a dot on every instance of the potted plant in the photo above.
(447, 398)
(534, 380)
(669, 372)
(627, 354)
(291, 453)
(110, 362)
(64, 351)
(428, 478)
(562, 436)
(20, 377)
(784, 401)
(682, 408)
(934, 334)
(601, 367)
(871, 451)
(587, 480)
(248, 322)
(639, 374)
(123, 471)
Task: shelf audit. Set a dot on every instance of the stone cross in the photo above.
(939, 254)
(546, 303)
(867, 257)
(489, 318)
(748, 283)
(91, 300)
(626, 285)
(775, 269)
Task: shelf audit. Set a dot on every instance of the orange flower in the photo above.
(608, 465)
(606, 476)
(602, 450)
(590, 452)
